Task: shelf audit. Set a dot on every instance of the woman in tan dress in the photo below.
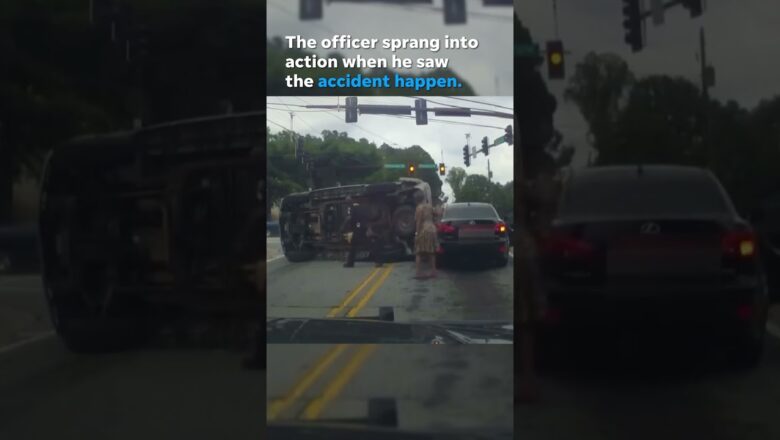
(425, 240)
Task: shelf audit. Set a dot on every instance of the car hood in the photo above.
(327, 431)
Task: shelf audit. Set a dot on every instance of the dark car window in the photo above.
(634, 195)
(469, 212)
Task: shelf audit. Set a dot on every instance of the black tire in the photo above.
(503, 261)
(403, 221)
(83, 331)
(293, 201)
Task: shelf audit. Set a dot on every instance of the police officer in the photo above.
(357, 222)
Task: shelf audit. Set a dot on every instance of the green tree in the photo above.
(477, 188)
(535, 111)
(337, 159)
(455, 179)
(597, 86)
(61, 76)
(660, 124)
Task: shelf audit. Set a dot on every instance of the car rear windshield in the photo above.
(469, 212)
(632, 196)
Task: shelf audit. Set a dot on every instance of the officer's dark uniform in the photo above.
(357, 223)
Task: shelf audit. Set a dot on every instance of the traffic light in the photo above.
(411, 168)
(632, 23)
(442, 170)
(555, 67)
(351, 109)
(485, 147)
(694, 6)
(420, 111)
(466, 156)
(454, 11)
(310, 9)
(509, 137)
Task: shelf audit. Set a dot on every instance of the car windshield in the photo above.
(465, 212)
(350, 230)
(650, 155)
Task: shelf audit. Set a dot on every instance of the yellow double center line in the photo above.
(331, 389)
(356, 291)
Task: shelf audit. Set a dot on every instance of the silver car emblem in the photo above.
(650, 228)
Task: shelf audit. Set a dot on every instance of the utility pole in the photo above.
(706, 78)
(703, 55)
(292, 133)
(490, 173)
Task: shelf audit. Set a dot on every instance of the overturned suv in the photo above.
(311, 223)
(167, 217)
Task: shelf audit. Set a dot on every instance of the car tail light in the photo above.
(500, 228)
(567, 246)
(446, 228)
(502, 249)
(740, 244)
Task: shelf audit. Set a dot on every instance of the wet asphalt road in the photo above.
(187, 386)
(47, 392)
(322, 288)
(435, 387)
(655, 388)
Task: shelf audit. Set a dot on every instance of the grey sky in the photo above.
(488, 68)
(741, 44)
(435, 138)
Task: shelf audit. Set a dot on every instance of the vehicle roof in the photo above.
(622, 172)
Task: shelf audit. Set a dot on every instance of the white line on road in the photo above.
(773, 329)
(37, 338)
(274, 258)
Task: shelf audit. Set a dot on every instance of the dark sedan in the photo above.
(473, 231)
(654, 247)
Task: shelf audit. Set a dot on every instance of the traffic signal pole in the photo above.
(525, 282)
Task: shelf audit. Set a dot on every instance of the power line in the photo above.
(442, 121)
(286, 104)
(416, 8)
(283, 127)
(481, 103)
(297, 111)
(455, 106)
(334, 114)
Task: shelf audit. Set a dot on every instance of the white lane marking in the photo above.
(274, 258)
(773, 329)
(16, 345)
